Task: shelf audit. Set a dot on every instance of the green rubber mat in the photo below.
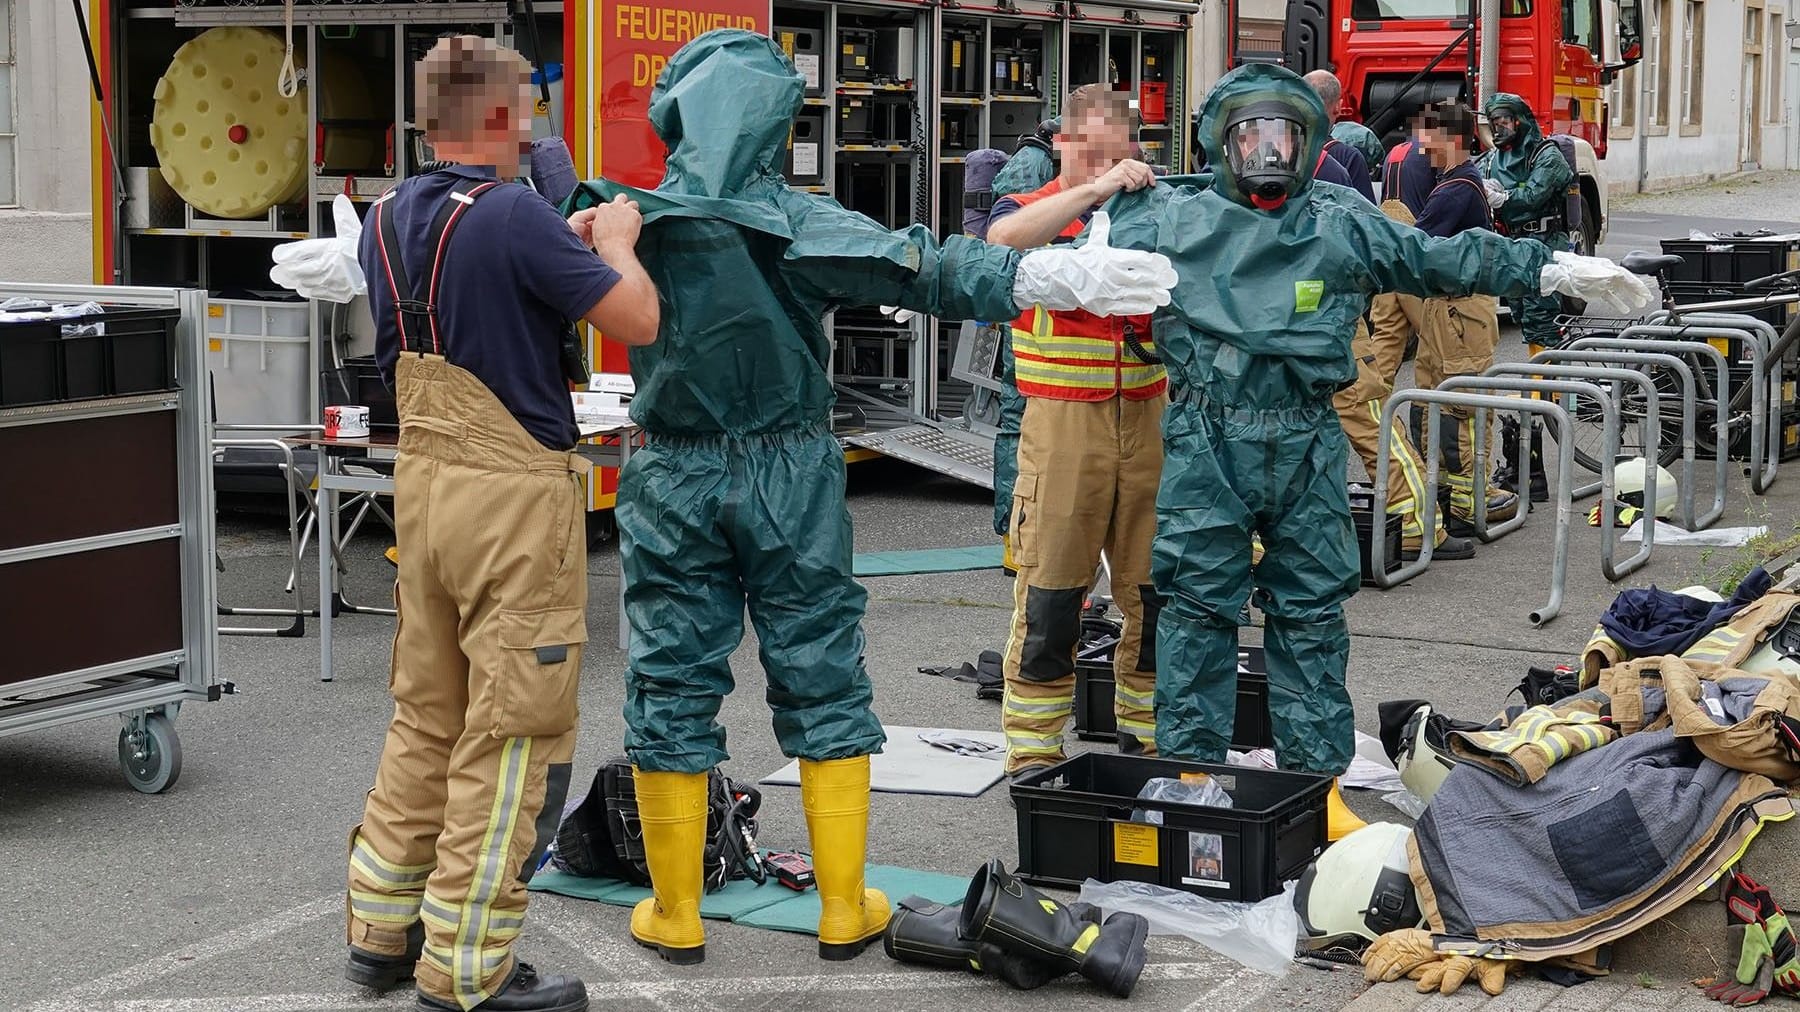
(928, 560)
(800, 913)
(730, 903)
(769, 906)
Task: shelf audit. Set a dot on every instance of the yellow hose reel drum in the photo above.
(229, 142)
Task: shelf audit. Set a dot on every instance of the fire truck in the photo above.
(1394, 56)
(227, 127)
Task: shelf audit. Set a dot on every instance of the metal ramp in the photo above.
(958, 453)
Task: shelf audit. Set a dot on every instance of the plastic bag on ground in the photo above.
(1409, 804)
(1205, 791)
(1261, 935)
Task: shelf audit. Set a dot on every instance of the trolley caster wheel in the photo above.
(150, 754)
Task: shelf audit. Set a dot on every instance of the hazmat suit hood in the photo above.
(1510, 164)
(724, 106)
(1261, 86)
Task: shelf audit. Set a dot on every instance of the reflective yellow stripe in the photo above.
(1087, 939)
(1409, 473)
(376, 867)
(1145, 730)
(1141, 700)
(470, 965)
(383, 908)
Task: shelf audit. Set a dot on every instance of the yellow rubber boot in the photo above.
(1340, 821)
(835, 794)
(672, 808)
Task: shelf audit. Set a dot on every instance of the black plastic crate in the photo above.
(1731, 261)
(1687, 293)
(1075, 823)
(1362, 514)
(134, 354)
(1096, 721)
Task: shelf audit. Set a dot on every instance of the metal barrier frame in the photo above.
(1683, 370)
(1764, 379)
(1609, 434)
(1565, 462)
(1721, 423)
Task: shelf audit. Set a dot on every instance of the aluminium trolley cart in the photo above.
(106, 587)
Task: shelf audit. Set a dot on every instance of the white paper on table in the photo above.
(1712, 537)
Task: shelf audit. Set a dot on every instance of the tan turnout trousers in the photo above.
(492, 596)
(1458, 339)
(1088, 475)
(1359, 407)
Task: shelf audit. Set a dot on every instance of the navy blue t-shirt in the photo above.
(1355, 166)
(515, 274)
(1410, 179)
(1455, 205)
(1331, 170)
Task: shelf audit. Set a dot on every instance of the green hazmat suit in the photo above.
(1537, 177)
(1027, 170)
(737, 497)
(1364, 141)
(1256, 340)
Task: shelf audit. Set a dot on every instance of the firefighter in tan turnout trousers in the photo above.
(471, 284)
(1089, 458)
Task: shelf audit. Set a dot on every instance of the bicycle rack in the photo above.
(1686, 487)
(1652, 407)
(1610, 437)
(1765, 377)
(1721, 422)
(1565, 463)
(298, 614)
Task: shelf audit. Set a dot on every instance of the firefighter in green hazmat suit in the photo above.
(1527, 180)
(737, 497)
(1274, 271)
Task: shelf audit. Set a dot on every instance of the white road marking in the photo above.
(196, 952)
(1244, 985)
(342, 1002)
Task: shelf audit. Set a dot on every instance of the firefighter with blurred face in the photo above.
(1090, 456)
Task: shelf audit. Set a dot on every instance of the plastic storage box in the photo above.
(260, 355)
(131, 351)
(1096, 721)
(1362, 507)
(1076, 823)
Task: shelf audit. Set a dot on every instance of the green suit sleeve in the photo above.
(1137, 216)
(840, 258)
(1401, 258)
(1542, 190)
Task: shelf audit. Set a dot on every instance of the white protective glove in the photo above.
(1095, 277)
(324, 268)
(1496, 193)
(1600, 283)
(898, 315)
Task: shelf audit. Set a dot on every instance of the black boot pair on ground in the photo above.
(1007, 930)
(524, 991)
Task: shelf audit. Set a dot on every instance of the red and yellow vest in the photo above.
(1076, 356)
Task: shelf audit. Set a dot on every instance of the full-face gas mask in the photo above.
(1266, 144)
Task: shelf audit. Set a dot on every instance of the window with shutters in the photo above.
(1693, 65)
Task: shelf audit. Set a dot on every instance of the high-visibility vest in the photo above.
(1074, 355)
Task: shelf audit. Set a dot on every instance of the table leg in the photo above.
(325, 508)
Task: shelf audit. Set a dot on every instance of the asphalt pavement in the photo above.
(226, 893)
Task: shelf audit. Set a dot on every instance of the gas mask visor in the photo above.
(1503, 126)
(1266, 144)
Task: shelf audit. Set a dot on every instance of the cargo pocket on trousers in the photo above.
(539, 672)
(1024, 517)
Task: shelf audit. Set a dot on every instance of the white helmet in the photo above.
(1422, 758)
(1360, 887)
(1628, 479)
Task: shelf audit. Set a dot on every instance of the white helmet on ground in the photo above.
(1628, 479)
(1359, 888)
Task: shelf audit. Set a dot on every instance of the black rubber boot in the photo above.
(928, 934)
(384, 973)
(1506, 475)
(1540, 478)
(1003, 911)
(524, 991)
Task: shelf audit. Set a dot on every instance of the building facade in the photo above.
(1711, 98)
(46, 232)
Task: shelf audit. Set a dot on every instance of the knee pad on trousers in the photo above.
(1052, 630)
(1153, 606)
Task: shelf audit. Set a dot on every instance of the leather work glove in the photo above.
(1094, 276)
(1448, 974)
(1768, 959)
(1398, 953)
(1600, 283)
